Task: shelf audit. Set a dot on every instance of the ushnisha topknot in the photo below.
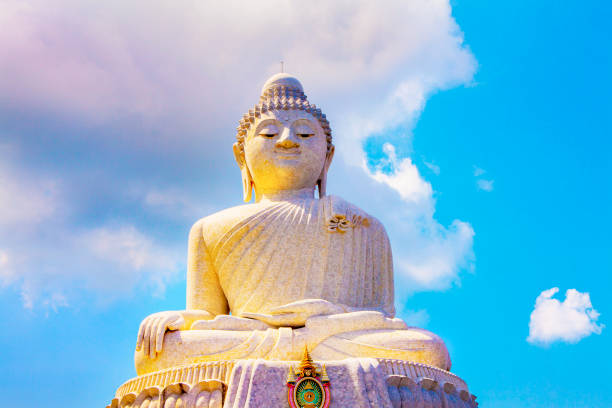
(281, 92)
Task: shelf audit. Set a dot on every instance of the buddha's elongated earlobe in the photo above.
(322, 181)
(322, 185)
(257, 192)
(247, 179)
(247, 184)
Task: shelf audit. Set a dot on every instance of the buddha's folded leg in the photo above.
(190, 346)
(371, 334)
(333, 337)
(410, 344)
(197, 346)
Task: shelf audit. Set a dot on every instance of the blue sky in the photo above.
(484, 129)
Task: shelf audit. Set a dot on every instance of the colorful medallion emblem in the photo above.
(311, 387)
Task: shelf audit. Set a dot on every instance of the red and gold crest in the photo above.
(311, 387)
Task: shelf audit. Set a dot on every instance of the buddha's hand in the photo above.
(296, 313)
(153, 328)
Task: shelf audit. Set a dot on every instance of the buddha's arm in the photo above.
(203, 288)
(205, 298)
(299, 313)
(295, 314)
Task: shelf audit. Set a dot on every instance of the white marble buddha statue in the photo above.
(290, 270)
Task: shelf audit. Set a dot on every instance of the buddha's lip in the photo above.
(289, 155)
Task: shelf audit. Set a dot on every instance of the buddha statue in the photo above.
(290, 270)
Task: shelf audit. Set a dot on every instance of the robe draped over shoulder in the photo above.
(253, 258)
(281, 252)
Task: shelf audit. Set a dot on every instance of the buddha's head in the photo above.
(284, 144)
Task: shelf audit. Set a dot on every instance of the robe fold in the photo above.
(272, 254)
(256, 257)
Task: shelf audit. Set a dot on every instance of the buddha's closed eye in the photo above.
(268, 131)
(304, 131)
(269, 135)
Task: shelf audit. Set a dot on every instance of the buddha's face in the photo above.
(285, 150)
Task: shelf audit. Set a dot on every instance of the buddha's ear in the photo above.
(247, 180)
(322, 182)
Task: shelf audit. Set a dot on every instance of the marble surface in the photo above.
(290, 270)
(354, 382)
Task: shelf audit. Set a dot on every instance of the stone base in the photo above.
(354, 382)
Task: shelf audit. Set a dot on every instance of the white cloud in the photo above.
(7, 274)
(128, 256)
(25, 199)
(175, 203)
(50, 261)
(568, 321)
(103, 264)
(433, 167)
(428, 255)
(369, 62)
(485, 185)
(478, 171)
(404, 178)
(481, 183)
(437, 254)
(370, 65)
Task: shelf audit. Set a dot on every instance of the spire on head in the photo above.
(282, 79)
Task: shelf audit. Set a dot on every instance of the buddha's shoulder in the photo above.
(214, 226)
(343, 207)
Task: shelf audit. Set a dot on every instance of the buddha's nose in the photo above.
(287, 140)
